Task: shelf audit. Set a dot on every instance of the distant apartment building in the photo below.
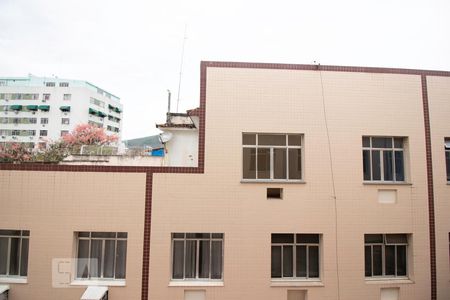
(310, 183)
(34, 110)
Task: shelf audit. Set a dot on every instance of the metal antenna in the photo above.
(181, 65)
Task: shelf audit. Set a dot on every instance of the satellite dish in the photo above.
(165, 136)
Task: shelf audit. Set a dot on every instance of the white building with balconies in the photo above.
(36, 110)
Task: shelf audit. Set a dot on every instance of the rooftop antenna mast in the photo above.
(181, 66)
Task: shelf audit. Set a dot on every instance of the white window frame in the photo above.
(197, 278)
(294, 258)
(382, 150)
(383, 258)
(103, 239)
(287, 147)
(24, 234)
(447, 152)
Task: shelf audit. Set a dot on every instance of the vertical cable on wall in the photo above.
(333, 183)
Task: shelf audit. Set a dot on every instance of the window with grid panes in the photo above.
(14, 246)
(272, 157)
(101, 255)
(385, 255)
(197, 256)
(295, 256)
(383, 159)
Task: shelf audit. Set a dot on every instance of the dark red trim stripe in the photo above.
(147, 232)
(429, 160)
(247, 65)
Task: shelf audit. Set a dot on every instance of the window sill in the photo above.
(296, 282)
(88, 282)
(195, 283)
(273, 181)
(13, 280)
(404, 280)
(385, 183)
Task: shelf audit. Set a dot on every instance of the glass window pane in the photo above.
(399, 166)
(83, 234)
(121, 259)
(388, 165)
(380, 142)
(401, 260)
(295, 140)
(276, 262)
(103, 234)
(24, 258)
(122, 235)
(396, 239)
(398, 142)
(198, 235)
(203, 257)
(366, 164)
(389, 253)
(216, 260)
(376, 167)
(366, 141)
(3, 254)
(263, 160)
(301, 261)
(368, 260)
(308, 238)
(313, 260)
(82, 262)
(178, 235)
(373, 238)
(190, 258)
(447, 160)
(217, 235)
(271, 140)
(295, 164)
(249, 163)
(248, 139)
(96, 258)
(178, 259)
(14, 256)
(282, 238)
(377, 261)
(110, 254)
(25, 233)
(10, 232)
(288, 261)
(279, 163)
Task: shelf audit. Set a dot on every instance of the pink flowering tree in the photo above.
(15, 152)
(54, 152)
(86, 134)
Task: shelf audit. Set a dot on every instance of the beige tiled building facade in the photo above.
(313, 182)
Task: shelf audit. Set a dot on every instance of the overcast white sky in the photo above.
(133, 48)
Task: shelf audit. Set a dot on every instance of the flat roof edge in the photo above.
(332, 68)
